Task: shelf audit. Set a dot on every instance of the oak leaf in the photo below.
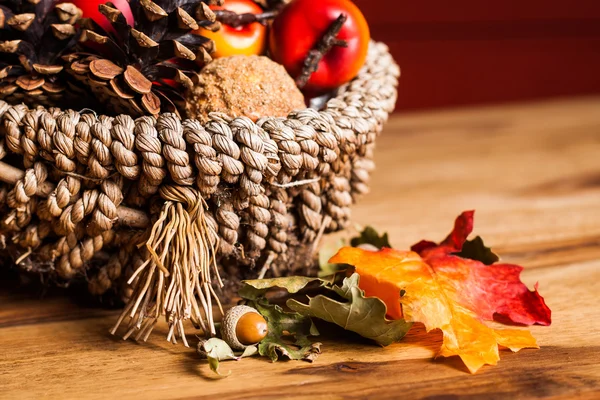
(257, 288)
(347, 307)
(433, 285)
(288, 334)
(369, 235)
(476, 250)
(215, 350)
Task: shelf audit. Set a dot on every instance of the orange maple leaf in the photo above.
(436, 287)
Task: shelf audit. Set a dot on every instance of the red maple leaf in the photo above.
(434, 285)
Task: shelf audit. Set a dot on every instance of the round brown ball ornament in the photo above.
(250, 86)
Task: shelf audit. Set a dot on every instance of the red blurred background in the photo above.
(467, 52)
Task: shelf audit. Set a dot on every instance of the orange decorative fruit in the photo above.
(247, 40)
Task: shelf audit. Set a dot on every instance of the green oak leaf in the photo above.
(360, 314)
(300, 349)
(476, 250)
(256, 288)
(370, 236)
(215, 350)
(288, 334)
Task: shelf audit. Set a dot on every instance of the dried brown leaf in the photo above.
(105, 69)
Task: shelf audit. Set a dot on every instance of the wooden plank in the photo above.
(79, 359)
(532, 174)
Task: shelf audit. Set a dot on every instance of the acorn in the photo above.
(243, 326)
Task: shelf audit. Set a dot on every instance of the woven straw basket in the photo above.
(112, 199)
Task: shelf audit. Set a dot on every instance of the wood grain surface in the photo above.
(531, 171)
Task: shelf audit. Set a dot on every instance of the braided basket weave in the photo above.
(268, 189)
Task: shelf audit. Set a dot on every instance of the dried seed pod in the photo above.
(47, 69)
(33, 36)
(152, 11)
(160, 55)
(63, 31)
(137, 81)
(151, 103)
(51, 87)
(105, 69)
(121, 90)
(243, 326)
(27, 82)
(21, 22)
(68, 12)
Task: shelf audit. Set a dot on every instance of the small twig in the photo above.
(324, 225)
(83, 177)
(295, 183)
(23, 256)
(236, 20)
(323, 46)
(266, 266)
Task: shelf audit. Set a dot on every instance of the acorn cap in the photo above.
(228, 326)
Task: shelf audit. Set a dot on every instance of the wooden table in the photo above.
(531, 171)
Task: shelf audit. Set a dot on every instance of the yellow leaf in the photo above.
(432, 295)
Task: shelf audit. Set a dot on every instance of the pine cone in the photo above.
(144, 70)
(34, 34)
